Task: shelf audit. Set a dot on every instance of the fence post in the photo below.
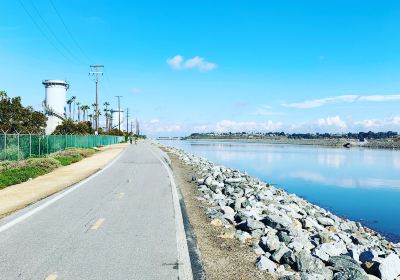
(30, 144)
(5, 144)
(17, 145)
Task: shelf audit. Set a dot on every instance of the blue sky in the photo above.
(191, 66)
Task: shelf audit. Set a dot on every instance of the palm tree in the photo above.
(106, 104)
(79, 111)
(84, 110)
(91, 119)
(73, 98)
(69, 102)
(3, 94)
(108, 117)
(95, 115)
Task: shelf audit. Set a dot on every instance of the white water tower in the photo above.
(54, 104)
(115, 115)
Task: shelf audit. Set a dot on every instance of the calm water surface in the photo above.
(359, 184)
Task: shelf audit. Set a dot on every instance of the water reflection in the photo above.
(334, 160)
(346, 182)
(361, 184)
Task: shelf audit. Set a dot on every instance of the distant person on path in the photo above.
(130, 140)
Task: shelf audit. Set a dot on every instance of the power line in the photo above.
(53, 33)
(68, 31)
(43, 33)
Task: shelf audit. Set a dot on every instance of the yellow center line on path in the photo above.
(97, 224)
(51, 277)
(120, 195)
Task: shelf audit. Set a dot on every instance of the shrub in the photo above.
(75, 152)
(18, 175)
(67, 160)
(48, 163)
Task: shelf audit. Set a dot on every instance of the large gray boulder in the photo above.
(277, 222)
(346, 268)
(308, 264)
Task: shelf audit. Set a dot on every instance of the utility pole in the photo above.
(131, 127)
(127, 120)
(119, 111)
(137, 127)
(95, 70)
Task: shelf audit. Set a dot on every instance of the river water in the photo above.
(359, 184)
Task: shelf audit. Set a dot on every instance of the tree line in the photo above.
(349, 135)
(16, 118)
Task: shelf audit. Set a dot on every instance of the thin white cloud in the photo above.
(265, 110)
(136, 91)
(157, 127)
(179, 63)
(314, 103)
(175, 62)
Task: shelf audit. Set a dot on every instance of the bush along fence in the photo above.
(21, 146)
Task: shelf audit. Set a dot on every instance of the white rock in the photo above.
(390, 267)
(325, 221)
(333, 248)
(265, 264)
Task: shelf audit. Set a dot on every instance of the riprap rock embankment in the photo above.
(293, 238)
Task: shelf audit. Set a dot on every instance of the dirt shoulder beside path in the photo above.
(19, 196)
(223, 258)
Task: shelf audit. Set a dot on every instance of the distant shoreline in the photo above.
(337, 143)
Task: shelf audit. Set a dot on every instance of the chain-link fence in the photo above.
(21, 146)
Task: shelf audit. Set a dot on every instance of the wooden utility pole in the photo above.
(137, 127)
(119, 111)
(95, 70)
(127, 120)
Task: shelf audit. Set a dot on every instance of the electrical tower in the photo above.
(95, 70)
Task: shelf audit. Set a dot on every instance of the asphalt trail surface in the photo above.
(120, 224)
